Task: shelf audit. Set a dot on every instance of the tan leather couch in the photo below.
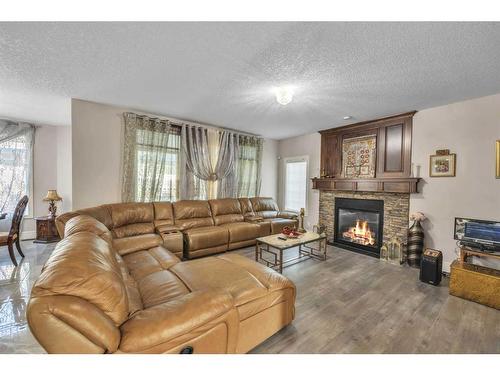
(189, 228)
(95, 297)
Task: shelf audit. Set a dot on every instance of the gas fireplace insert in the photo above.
(359, 225)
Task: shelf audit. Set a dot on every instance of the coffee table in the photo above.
(264, 244)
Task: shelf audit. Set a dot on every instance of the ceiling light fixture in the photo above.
(347, 117)
(284, 94)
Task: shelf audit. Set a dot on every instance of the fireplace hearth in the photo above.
(359, 225)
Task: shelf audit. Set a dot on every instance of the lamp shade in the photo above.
(52, 196)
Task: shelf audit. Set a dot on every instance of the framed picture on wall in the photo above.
(442, 165)
(498, 160)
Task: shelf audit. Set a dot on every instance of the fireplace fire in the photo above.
(360, 233)
(358, 225)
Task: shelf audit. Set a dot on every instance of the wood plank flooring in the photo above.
(352, 303)
(349, 303)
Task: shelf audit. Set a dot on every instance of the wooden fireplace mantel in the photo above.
(393, 156)
(384, 185)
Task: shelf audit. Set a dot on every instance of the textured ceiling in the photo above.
(222, 73)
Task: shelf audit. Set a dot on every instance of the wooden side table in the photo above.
(46, 231)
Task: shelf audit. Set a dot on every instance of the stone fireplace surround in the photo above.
(396, 212)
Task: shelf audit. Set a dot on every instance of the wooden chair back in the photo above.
(18, 216)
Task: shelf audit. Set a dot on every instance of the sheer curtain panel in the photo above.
(209, 163)
(150, 160)
(249, 166)
(16, 162)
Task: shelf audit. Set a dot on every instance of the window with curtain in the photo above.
(249, 166)
(295, 183)
(16, 167)
(151, 160)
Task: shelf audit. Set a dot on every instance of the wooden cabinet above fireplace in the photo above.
(392, 164)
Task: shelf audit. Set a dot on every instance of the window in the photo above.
(157, 161)
(295, 183)
(15, 172)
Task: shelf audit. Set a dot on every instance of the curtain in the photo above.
(209, 161)
(150, 159)
(16, 152)
(249, 166)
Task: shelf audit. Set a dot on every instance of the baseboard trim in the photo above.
(28, 235)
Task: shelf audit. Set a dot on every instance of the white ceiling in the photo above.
(222, 73)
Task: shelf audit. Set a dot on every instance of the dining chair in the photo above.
(9, 238)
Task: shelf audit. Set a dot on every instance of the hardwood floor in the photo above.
(349, 303)
(352, 303)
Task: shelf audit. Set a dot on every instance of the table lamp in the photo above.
(52, 197)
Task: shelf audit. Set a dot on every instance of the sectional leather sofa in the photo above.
(189, 228)
(111, 285)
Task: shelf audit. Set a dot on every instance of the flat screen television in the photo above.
(481, 233)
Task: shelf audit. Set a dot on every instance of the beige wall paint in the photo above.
(64, 168)
(310, 146)
(468, 129)
(97, 142)
(97, 134)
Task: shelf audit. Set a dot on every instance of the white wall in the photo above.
(97, 141)
(468, 129)
(310, 146)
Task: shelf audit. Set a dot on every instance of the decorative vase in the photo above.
(415, 244)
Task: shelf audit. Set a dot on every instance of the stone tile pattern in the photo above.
(396, 212)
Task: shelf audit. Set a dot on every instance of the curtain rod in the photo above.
(180, 122)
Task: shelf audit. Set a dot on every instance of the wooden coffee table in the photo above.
(264, 244)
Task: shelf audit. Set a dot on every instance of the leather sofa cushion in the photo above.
(164, 214)
(133, 294)
(192, 214)
(279, 288)
(241, 231)
(253, 286)
(173, 242)
(146, 262)
(217, 273)
(246, 207)
(265, 207)
(85, 223)
(133, 230)
(177, 321)
(206, 237)
(277, 224)
(130, 244)
(100, 213)
(68, 269)
(131, 219)
(160, 287)
(226, 210)
(265, 228)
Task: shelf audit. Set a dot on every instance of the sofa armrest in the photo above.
(167, 228)
(69, 324)
(288, 215)
(174, 323)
